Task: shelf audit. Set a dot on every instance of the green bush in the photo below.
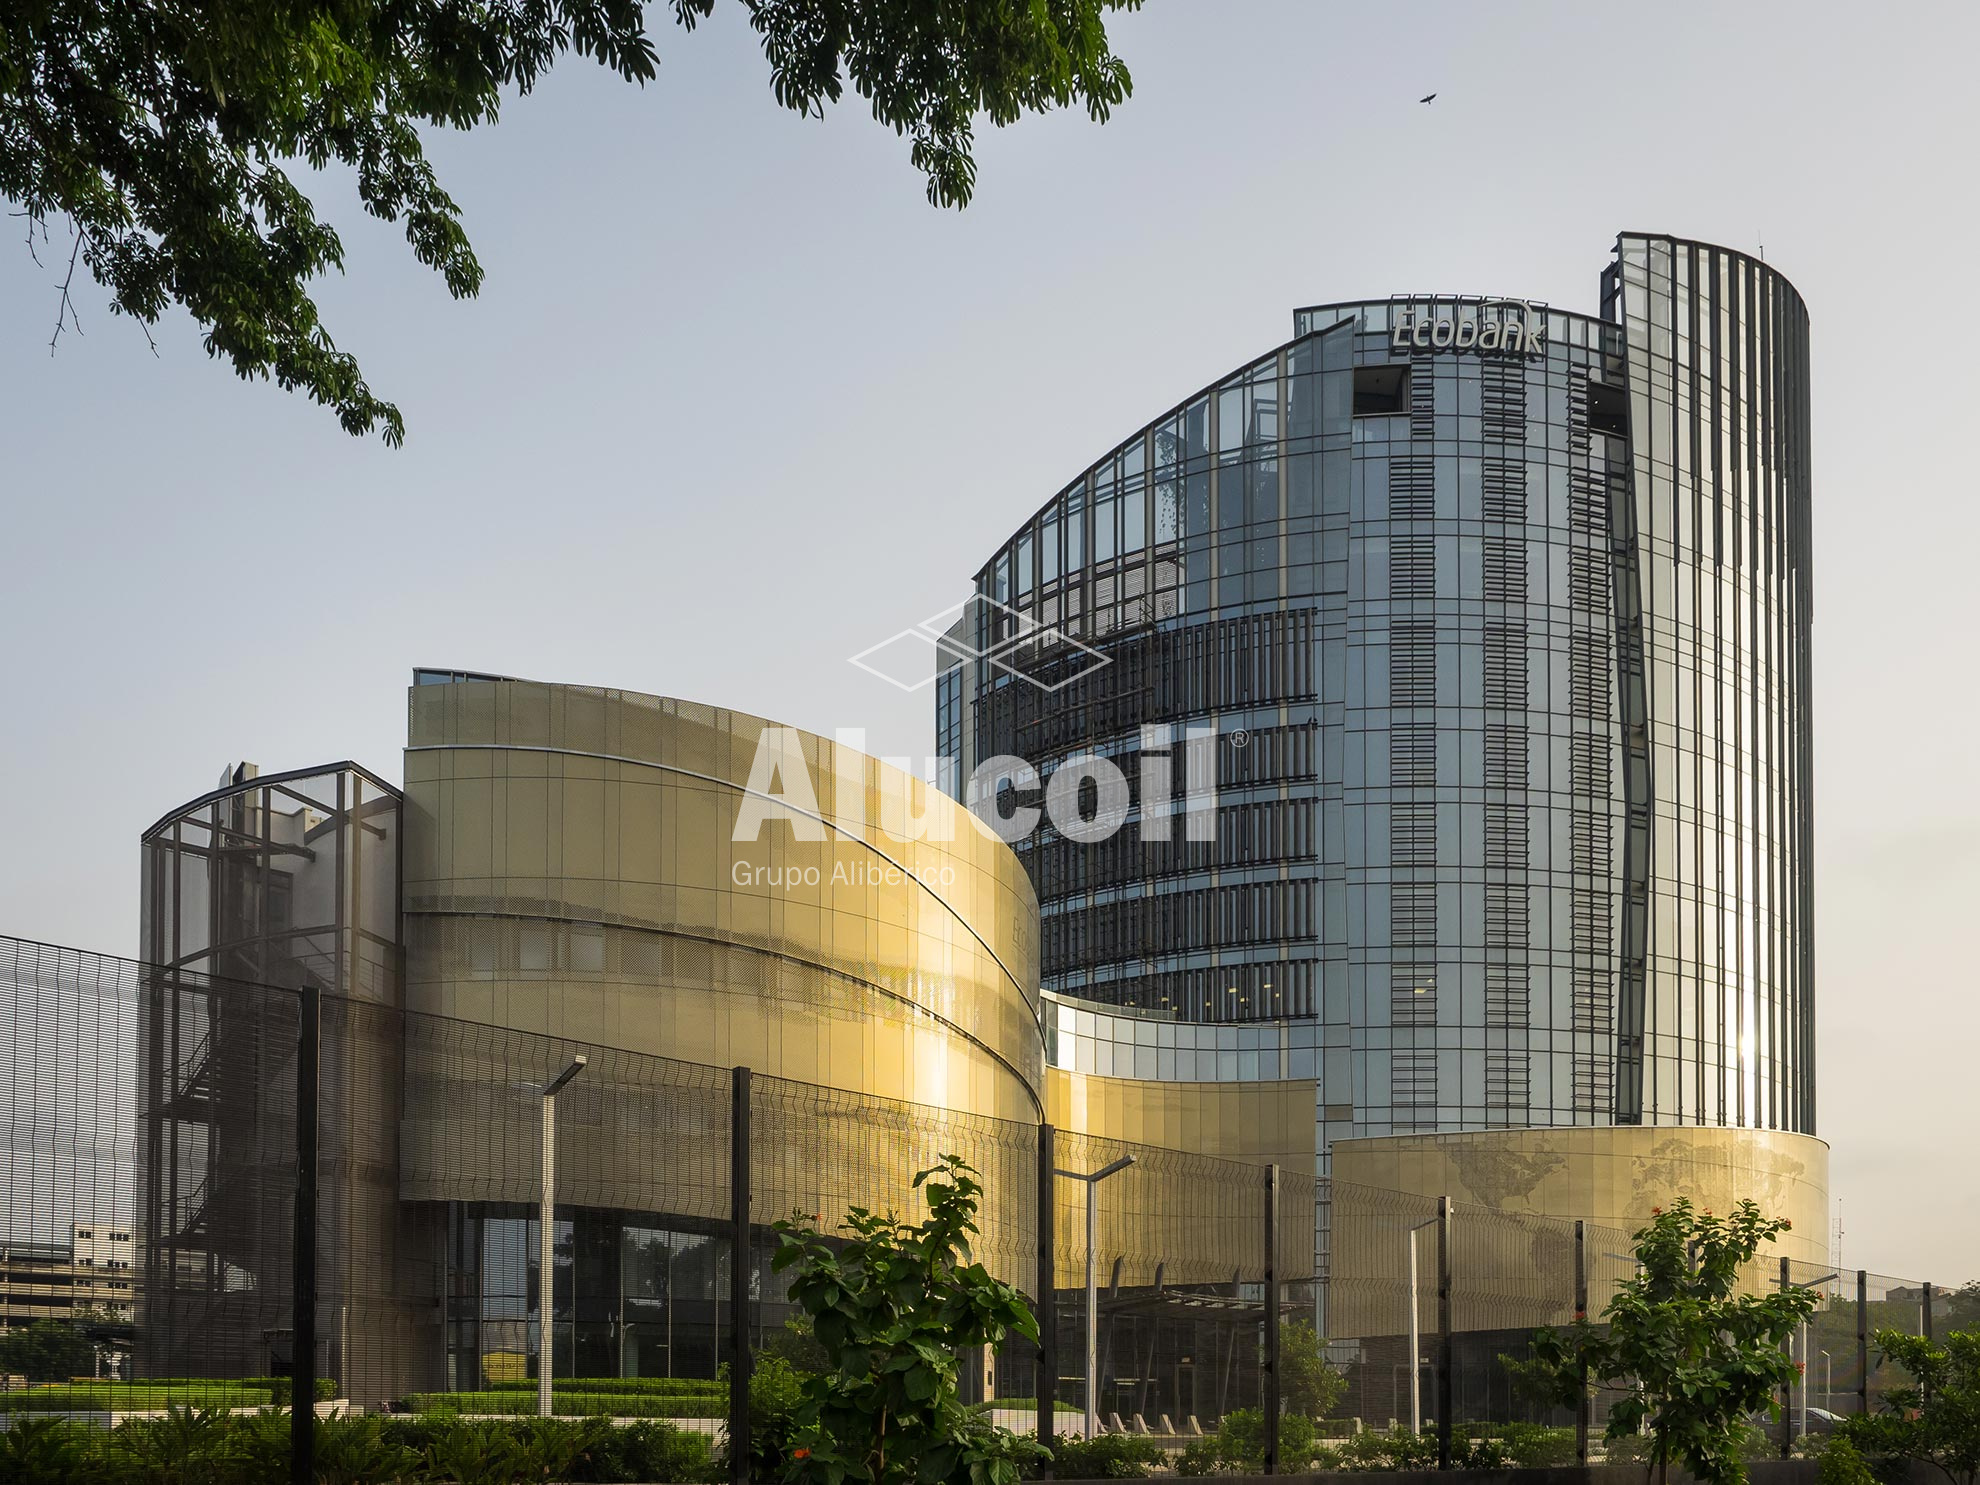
(1238, 1445)
(645, 1452)
(1110, 1456)
(51, 1451)
(133, 1397)
(1535, 1446)
(276, 1387)
(188, 1447)
(1842, 1463)
(1630, 1448)
(776, 1387)
(1634, 1448)
(624, 1386)
(568, 1404)
(1398, 1449)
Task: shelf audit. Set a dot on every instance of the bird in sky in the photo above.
(1426, 98)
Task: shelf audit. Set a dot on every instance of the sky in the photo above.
(735, 403)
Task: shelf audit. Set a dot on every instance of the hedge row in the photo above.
(569, 1404)
(275, 1387)
(252, 1449)
(133, 1397)
(623, 1386)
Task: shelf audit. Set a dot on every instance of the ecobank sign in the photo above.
(1507, 327)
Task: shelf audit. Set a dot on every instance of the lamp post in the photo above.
(546, 1256)
(1415, 1337)
(1093, 1180)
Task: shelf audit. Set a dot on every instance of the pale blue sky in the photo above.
(735, 403)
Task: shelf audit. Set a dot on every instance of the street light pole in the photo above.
(1415, 1337)
(546, 1254)
(1093, 1180)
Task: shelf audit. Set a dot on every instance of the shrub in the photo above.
(184, 1446)
(775, 1390)
(1399, 1449)
(1841, 1463)
(133, 1397)
(1535, 1446)
(1935, 1418)
(650, 1453)
(354, 1451)
(1110, 1456)
(893, 1304)
(624, 1386)
(1199, 1457)
(1238, 1445)
(568, 1404)
(49, 1451)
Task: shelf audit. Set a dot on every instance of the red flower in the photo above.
(800, 1454)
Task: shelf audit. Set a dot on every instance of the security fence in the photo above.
(165, 1129)
(221, 1192)
(1432, 1305)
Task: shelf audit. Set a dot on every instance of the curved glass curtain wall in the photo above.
(1437, 654)
(1718, 371)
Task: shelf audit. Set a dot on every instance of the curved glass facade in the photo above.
(1494, 622)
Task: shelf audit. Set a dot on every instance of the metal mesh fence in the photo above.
(1479, 1282)
(152, 1165)
(821, 1151)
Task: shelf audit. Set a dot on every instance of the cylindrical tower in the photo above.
(1499, 615)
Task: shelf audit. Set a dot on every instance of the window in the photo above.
(1608, 410)
(1381, 391)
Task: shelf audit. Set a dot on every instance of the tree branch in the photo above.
(66, 309)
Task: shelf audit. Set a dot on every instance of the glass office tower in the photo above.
(1500, 615)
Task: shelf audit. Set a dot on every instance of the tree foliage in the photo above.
(891, 1305)
(165, 131)
(47, 1351)
(1692, 1353)
(1308, 1386)
(1935, 1418)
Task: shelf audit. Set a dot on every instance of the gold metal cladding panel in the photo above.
(1193, 1205)
(1613, 1176)
(1516, 1196)
(1263, 1123)
(570, 868)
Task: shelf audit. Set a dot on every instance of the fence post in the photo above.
(1446, 1403)
(739, 1260)
(1925, 1388)
(1862, 1341)
(1581, 1313)
(1787, 1388)
(302, 1370)
(1046, 1383)
(1271, 1319)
